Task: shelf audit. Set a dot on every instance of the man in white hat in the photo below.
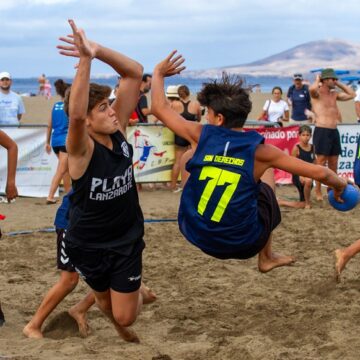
(11, 105)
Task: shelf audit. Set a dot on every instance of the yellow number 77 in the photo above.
(218, 177)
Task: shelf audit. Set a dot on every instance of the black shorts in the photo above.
(62, 259)
(179, 141)
(270, 216)
(57, 149)
(326, 141)
(104, 269)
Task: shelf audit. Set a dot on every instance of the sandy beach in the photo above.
(207, 309)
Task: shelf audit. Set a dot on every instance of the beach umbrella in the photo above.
(350, 78)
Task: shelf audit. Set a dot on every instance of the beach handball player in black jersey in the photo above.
(104, 239)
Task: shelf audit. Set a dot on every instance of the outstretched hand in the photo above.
(79, 46)
(171, 65)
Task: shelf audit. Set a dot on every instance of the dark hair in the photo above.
(61, 87)
(97, 93)
(227, 97)
(145, 76)
(305, 128)
(276, 88)
(183, 91)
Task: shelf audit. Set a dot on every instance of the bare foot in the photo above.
(266, 264)
(340, 263)
(148, 295)
(32, 332)
(128, 335)
(319, 197)
(81, 319)
(307, 206)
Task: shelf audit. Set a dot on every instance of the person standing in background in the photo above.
(142, 107)
(56, 134)
(357, 104)
(11, 104)
(299, 98)
(41, 81)
(326, 138)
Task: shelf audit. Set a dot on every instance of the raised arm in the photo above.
(78, 142)
(12, 150)
(314, 87)
(347, 94)
(161, 108)
(129, 88)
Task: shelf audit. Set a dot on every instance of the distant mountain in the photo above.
(337, 54)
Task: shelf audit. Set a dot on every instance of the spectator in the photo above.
(357, 104)
(299, 98)
(56, 133)
(47, 89)
(275, 110)
(325, 92)
(42, 81)
(11, 105)
(142, 107)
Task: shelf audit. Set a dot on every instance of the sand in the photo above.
(206, 308)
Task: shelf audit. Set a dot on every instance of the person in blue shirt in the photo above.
(67, 282)
(56, 134)
(228, 208)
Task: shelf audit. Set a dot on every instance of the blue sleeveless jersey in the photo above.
(218, 209)
(60, 124)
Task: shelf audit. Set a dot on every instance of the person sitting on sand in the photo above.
(10, 189)
(305, 152)
(67, 282)
(104, 240)
(227, 208)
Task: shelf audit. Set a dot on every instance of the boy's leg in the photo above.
(307, 192)
(344, 255)
(65, 285)
(79, 311)
(320, 160)
(268, 260)
(104, 302)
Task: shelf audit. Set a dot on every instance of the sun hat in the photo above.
(328, 74)
(297, 76)
(5, 74)
(172, 91)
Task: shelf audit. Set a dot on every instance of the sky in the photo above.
(210, 34)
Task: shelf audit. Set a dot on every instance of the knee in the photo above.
(308, 182)
(70, 282)
(125, 319)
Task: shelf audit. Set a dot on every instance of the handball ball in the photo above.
(351, 197)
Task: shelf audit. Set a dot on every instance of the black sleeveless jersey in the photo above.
(105, 210)
(186, 114)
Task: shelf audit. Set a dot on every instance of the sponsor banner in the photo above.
(154, 152)
(35, 168)
(284, 138)
(349, 137)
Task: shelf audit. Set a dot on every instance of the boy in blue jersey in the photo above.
(69, 278)
(226, 209)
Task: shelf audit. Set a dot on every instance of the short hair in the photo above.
(276, 88)
(305, 128)
(145, 76)
(227, 96)
(97, 93)
(61, 86)
(183, 91)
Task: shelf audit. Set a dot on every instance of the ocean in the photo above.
(29, 86)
